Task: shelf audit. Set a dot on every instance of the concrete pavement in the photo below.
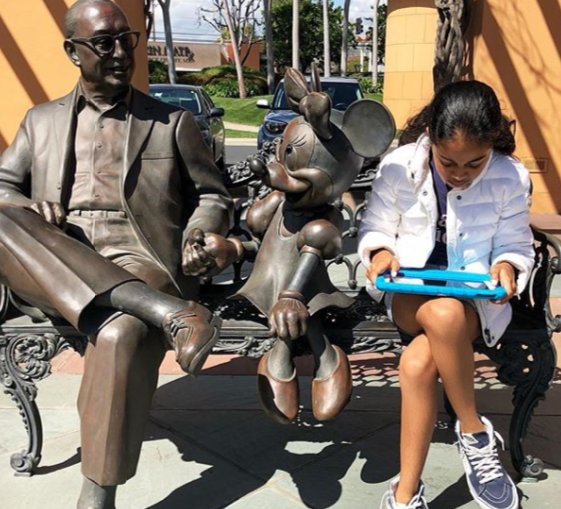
(209, 446)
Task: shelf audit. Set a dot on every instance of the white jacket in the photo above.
(486, 223)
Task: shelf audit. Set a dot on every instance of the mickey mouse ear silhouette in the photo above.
(369, 126)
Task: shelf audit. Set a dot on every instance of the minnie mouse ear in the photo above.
(369, 126)
(316, 81)
(295, 87)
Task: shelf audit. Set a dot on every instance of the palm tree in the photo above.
(345, 45)
(269, 46)
(326, 49)
(296, 34)
(375, 44)
(165, 5)
(235, 51)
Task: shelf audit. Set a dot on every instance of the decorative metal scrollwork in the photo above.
(25, 359)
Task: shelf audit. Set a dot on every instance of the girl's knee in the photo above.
(444, 314)
(415, 368)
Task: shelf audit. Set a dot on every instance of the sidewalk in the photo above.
(241, 127)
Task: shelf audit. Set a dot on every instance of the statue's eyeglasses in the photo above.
(104, 45)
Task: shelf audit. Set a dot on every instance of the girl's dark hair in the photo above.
(469, 107)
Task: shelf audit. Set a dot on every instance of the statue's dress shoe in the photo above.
(331, 395)
(279, 398)
(192, 332)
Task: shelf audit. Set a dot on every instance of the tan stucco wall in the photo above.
(411, 29)
(516, 49)
(33, 66)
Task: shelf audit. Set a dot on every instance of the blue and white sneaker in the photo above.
(488, 482)
(417, 502)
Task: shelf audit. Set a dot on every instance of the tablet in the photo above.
(388, 284)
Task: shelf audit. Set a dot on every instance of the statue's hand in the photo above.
(288, 319)
(209, 254)
(51, 212)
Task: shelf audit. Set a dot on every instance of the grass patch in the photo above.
(242, 111)
(376, 97)
(230, 133)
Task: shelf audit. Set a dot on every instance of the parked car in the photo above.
(207, 115)
(343, 92)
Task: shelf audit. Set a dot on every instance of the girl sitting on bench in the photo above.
(454, 198)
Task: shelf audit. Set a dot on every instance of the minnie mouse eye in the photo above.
(291, 157)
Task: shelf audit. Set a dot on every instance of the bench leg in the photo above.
(25, 359)
(529, 366)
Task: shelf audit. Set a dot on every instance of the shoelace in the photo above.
(485, 461)
(417, 502)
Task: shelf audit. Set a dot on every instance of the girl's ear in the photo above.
(369, 126)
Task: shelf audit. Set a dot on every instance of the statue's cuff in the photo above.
(311, 250)
(239, 248)
(291, 294)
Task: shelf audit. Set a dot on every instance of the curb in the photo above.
(241, 142)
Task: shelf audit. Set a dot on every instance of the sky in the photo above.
(186, 24)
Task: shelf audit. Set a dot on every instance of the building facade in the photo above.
(194, 56)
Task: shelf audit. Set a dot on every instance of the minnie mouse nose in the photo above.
(257, 166)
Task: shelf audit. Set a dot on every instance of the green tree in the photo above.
(311, 32)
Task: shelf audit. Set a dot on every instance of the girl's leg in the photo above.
(451, 326)
(418, 381)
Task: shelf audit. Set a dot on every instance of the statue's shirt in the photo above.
(100, 149)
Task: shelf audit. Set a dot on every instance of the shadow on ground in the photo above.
(315, 462)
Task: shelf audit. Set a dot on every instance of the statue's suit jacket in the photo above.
(170, 182)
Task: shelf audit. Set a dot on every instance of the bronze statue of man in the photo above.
(99, 193)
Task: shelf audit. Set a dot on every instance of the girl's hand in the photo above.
(504, 273)
(381, 261)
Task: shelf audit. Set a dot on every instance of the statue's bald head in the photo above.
(75, 10)
(100, 42)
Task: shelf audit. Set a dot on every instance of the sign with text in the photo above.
(189, 56)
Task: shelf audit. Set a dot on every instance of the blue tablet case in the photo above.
(384, 282)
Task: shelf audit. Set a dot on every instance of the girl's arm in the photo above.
(379, 223)
(513, 240)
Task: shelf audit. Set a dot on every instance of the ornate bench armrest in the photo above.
(548, 266)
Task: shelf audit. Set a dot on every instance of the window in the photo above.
(342, 95)
(184, 98)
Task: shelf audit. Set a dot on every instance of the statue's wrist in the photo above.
(240, 250)
(291, 294)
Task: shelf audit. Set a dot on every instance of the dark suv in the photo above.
(343, 92)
